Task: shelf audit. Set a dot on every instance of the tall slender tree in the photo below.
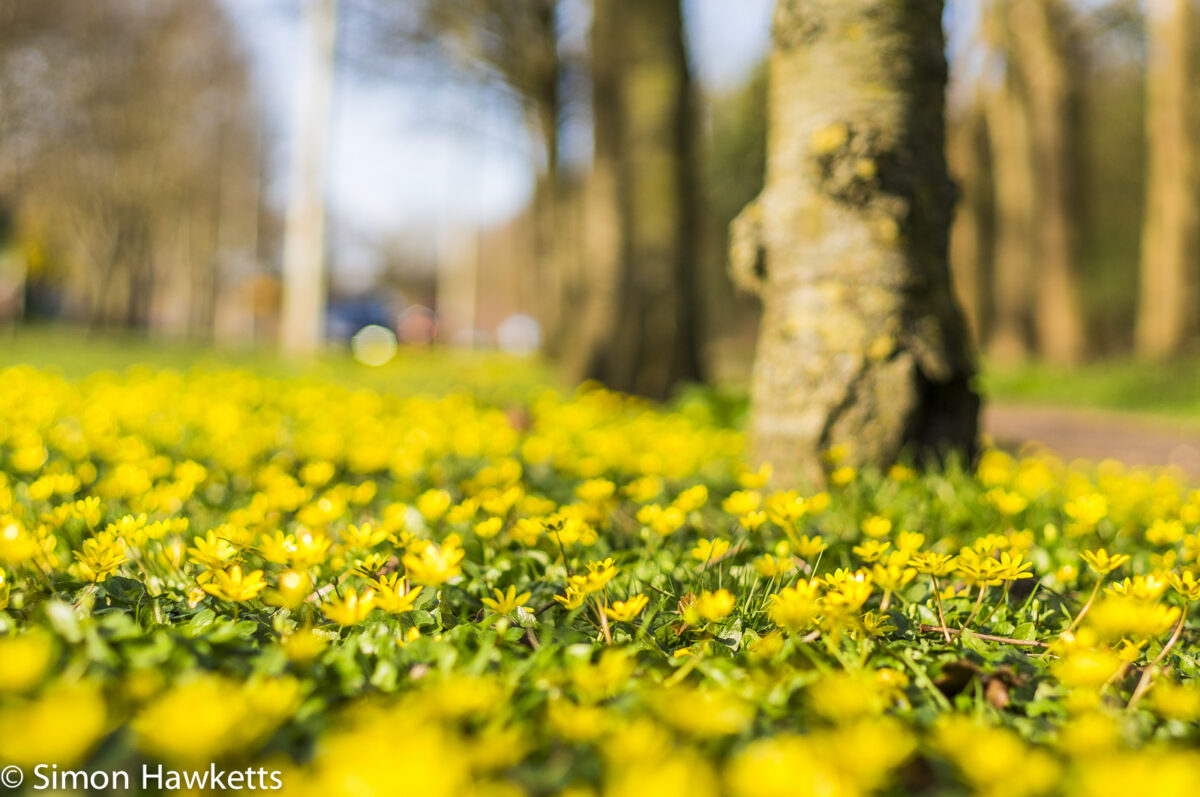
(971, 233)
(1042, 45)
(303, 319)
(862, 345)
(641, 313)
(1014, 194)
(1168, 295)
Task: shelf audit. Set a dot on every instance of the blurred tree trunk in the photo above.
(862, 345)
(1168, 296)
(539, 72)
(1014, 199)
(1042, 48)
(644, 296)
(971, 231)
(302, 323)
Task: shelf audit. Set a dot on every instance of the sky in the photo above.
(414, 157)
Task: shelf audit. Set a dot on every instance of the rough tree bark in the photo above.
(1168, 259)
(645, 338)
(1041, 47)
(862, 345)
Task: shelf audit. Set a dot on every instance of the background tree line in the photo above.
(132, 170)
(130, 160)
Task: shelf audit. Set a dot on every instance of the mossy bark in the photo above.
(1168, 296)
(641, 312)
(862, 345)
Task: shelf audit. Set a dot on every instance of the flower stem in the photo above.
(1144, 682)
(978, 604)
(937, 595)
(1091, 599)
(1003, 598)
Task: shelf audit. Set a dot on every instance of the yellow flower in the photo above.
(691, 499)
(742, 502)
(892, 577)
(393, 595)
(435, 566)
(211, 551)
(100, 556)
(624, 611)
(277, 548)
(351, 608)
(785, 508)
(876, 526)
(24, 661)
(1116, 616)
(303, 646)
(488, 528)
(232, 586)
(710, 550)
(769, 566)
(703, 713)
(5, 589)
(1102, 562)
(1176, 701)
(572, 599)
(311, 549)
(809, 548)
(842, 476)
(61, 727)
(595, 579)
(1088, 668)
(644, 490)
(752, 520)
(663, 522)
(1165, 532)
(432, 504)
(871, 550)
(506, 602)
(711, 606)
(754, 480)
(1147, 588)
(210, 716)
(1088, 509)
(365, 536)
(1185, 584)
(1005, 502)
(794, 608)
(595, 491)
(576, 723)
(933, 564)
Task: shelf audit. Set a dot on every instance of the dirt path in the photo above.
(1097, 434)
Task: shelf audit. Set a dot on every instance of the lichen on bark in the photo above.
(862, 345)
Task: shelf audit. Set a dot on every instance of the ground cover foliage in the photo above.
(452, 594)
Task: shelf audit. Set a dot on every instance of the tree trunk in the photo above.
(971, 231)
(862, 346)
(647, 342)
(302, 324)
(1014, 197)
(1041, 46)
(554, 280)
(1168, 259)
